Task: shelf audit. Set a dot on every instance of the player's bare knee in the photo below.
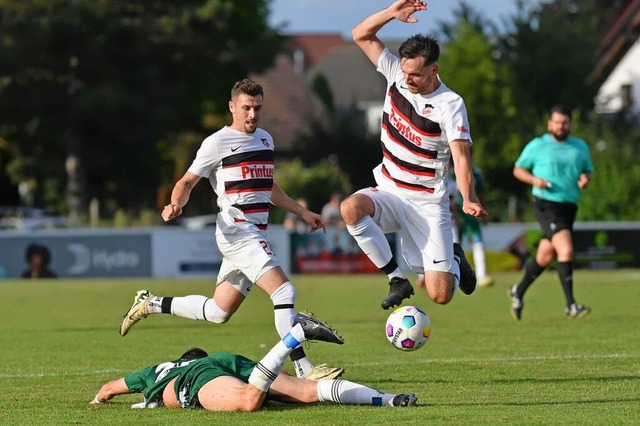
(442, 297)
(348, 211)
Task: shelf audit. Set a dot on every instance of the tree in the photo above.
(347, 144)
(315, 183)
(94, 85)
(468, 66)
(551, 50)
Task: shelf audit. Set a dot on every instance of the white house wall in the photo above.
(627, 71)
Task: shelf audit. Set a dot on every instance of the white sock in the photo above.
(266, 371)
(346, 392)
(283, 299)
(155, 305)
(479, 261)
(372, 241)
(456, 273)
(196, 307)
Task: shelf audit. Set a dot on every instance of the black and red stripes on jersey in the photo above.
(408, 130)
(256, 183)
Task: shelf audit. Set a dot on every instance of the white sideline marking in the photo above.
(503, 359)
(391, 362)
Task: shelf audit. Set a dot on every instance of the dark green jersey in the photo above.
(151, 381)
(192, 375)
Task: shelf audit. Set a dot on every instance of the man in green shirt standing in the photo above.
(558, 166)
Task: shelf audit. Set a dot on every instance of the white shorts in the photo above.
(245, 260)
(426, 237)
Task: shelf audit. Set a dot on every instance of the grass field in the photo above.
(59, 342)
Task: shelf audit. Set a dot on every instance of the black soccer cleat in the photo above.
(399, 289)
(467, 274)
(404, 400)
(314, 329)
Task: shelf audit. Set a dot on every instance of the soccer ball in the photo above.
(408, 328)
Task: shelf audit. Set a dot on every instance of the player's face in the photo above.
(559, 126)
(419, 78)
(246, 111)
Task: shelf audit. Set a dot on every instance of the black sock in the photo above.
(531, 271)
(390, 267)
(165, 307)
(565, 273)
(296, 354)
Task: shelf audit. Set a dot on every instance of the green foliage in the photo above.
(551, 51)
(345, 143)
(320, 87)
(612, 193)
(106, 80)
(315, 183)
(479, 367)
(468, 67)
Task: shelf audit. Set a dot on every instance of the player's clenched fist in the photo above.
(171, 211)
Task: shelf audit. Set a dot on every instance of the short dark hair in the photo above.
(560, 109)
(194, 353)
(248, 87)
(421, 45)
(37, 249)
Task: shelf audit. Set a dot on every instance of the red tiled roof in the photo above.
(289, 106)
(315, 46)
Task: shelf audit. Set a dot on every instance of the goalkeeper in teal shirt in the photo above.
(558, 167)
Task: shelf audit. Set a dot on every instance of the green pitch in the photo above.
(59, 342)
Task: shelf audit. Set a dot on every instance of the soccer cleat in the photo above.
(404, 400)
(399, 289)
(322, 372)
(577, 310)
(136, 312)
(485, 282)
(467, 274)
(314, 329)
(516, 303)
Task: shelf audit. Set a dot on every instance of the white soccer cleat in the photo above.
(136, 312)
(322, 372)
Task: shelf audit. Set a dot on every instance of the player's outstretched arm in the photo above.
(364, 34)
(111, 389)
(280, 199)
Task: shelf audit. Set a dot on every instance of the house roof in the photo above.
(352, 77)
(617, 41)
(315, 46)
(289, 106)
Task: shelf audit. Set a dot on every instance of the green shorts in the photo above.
(202, 372)
(470, 227)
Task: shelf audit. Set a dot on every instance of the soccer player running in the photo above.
(557, 166)
(224, 381)
(238, 162)
(423, 124)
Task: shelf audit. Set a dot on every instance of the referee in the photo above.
(558, 166)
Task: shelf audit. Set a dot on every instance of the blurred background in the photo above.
(103, 104)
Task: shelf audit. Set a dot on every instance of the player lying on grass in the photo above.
(228, 382)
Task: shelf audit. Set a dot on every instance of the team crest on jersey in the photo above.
(427, 109)
(265, 142)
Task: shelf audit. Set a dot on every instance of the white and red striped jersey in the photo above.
(416, 133)
(239, 167)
